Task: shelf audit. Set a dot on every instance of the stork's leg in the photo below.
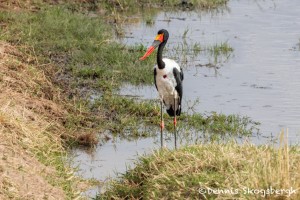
(175, 122)
(161, 124)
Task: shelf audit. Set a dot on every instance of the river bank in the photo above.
(62, 68)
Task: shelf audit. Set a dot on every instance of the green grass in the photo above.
(122, 113)
(84, 45)
(183, 173)
(220, 126)
(125, 5)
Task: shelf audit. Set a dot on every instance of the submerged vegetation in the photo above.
(217, 53)
(218, 50)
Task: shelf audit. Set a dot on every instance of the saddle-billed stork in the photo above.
(168, 77)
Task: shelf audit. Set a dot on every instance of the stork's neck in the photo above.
(160, 62)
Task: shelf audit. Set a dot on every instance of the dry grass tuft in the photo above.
(87, 139)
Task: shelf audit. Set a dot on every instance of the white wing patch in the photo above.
(166, 82)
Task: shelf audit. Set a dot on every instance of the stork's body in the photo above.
(168, 82)
(168, 77)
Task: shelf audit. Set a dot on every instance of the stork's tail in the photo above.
(171, 112)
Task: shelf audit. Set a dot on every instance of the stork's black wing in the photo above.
(178, 77)
(155, 73)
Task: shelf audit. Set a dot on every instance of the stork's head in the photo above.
(161, 37)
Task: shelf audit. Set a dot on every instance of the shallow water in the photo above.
(260, 80)
(110, 158)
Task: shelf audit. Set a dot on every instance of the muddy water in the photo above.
(261, 79)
